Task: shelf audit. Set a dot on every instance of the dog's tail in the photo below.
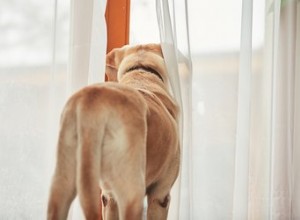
(90, 130)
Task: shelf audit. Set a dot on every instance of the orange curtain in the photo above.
(117, 19)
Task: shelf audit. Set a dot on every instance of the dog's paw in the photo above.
(165, 202)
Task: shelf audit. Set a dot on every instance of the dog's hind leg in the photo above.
(158, 204)
(130, 187)
(159, 196)
(129, 193)
(63, 188)
(110, 207)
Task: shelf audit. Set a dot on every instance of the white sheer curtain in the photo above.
(274, 145)
(245, 154)
(33, 71)
(49, 49)
(241, 148)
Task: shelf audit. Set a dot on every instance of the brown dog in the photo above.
(121, 136)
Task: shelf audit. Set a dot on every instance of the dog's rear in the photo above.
(94, 125)
(109, 131)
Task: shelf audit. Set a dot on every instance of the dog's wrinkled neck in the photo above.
(146, 69)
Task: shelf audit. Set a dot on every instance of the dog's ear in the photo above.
(111, 69)
(111, 73)
(113, 60)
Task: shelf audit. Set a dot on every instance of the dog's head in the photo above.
(148, 57)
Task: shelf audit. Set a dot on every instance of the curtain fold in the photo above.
(241, 179)
(174, 38)
(87, 43)
(296, 129)
(283, 110)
